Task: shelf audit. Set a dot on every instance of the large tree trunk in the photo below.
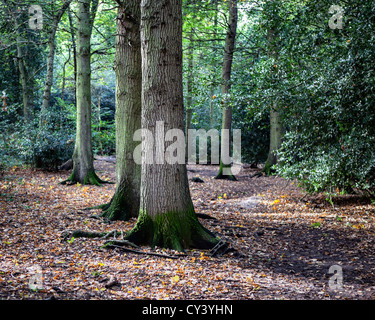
(83, 161)
(224, 170)
(125, 202)
(51, 58)
(167, 217)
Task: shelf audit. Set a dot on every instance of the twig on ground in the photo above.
(143, 252)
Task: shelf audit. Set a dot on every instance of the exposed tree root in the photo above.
(119, 243)
(205, 216)
(220, 248)
(100, 206)
(173, 230)
(90, 179)
(114, 243)
(118, 209)
(221, 175)
(88, 234)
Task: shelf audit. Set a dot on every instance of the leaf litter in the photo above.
(282, 242)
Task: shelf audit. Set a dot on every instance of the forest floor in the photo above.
(284, 242)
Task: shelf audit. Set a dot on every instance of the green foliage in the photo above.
(330, 141)
(7, 137)
(104, 137)
(323, 82)
(44, 145)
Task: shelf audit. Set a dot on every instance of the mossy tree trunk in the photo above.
(167, 217)
(83, 160)
(225, 90)
(125, 202)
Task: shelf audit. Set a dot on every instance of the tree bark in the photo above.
(22, 69)
(125, 202)
(167, 217)
(213, 70)
(74, 46)
(276, 125)
(225, 90)
(189, 100)
(83, 160)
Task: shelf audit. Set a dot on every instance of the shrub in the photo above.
(42, 145)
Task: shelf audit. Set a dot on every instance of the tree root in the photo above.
(219, 249)
(100, 206)
(88, 234)
(205, 216)
(115, 243)
(258, 174)
(118, 243)
(90, 179)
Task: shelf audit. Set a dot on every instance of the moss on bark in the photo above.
(268, 167)
(91, 178)
(173, 230)
(221, 174)
(121, 207)
(104, 206)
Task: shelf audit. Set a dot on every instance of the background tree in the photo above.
(27, 51)
(83, 161)
(271, 11)
(225, 90)
(51, 54)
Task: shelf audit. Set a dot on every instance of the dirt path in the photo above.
(284, 246)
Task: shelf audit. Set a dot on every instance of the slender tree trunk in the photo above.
(26, 87)
(74, 46)
(22, 70)
(213, 71)
(125, 202)
(167, 217)
(51, 57)
(83, 160)
(276, 130)
(276, 125)
(63, 76)
(189, 100)
(225, 90)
